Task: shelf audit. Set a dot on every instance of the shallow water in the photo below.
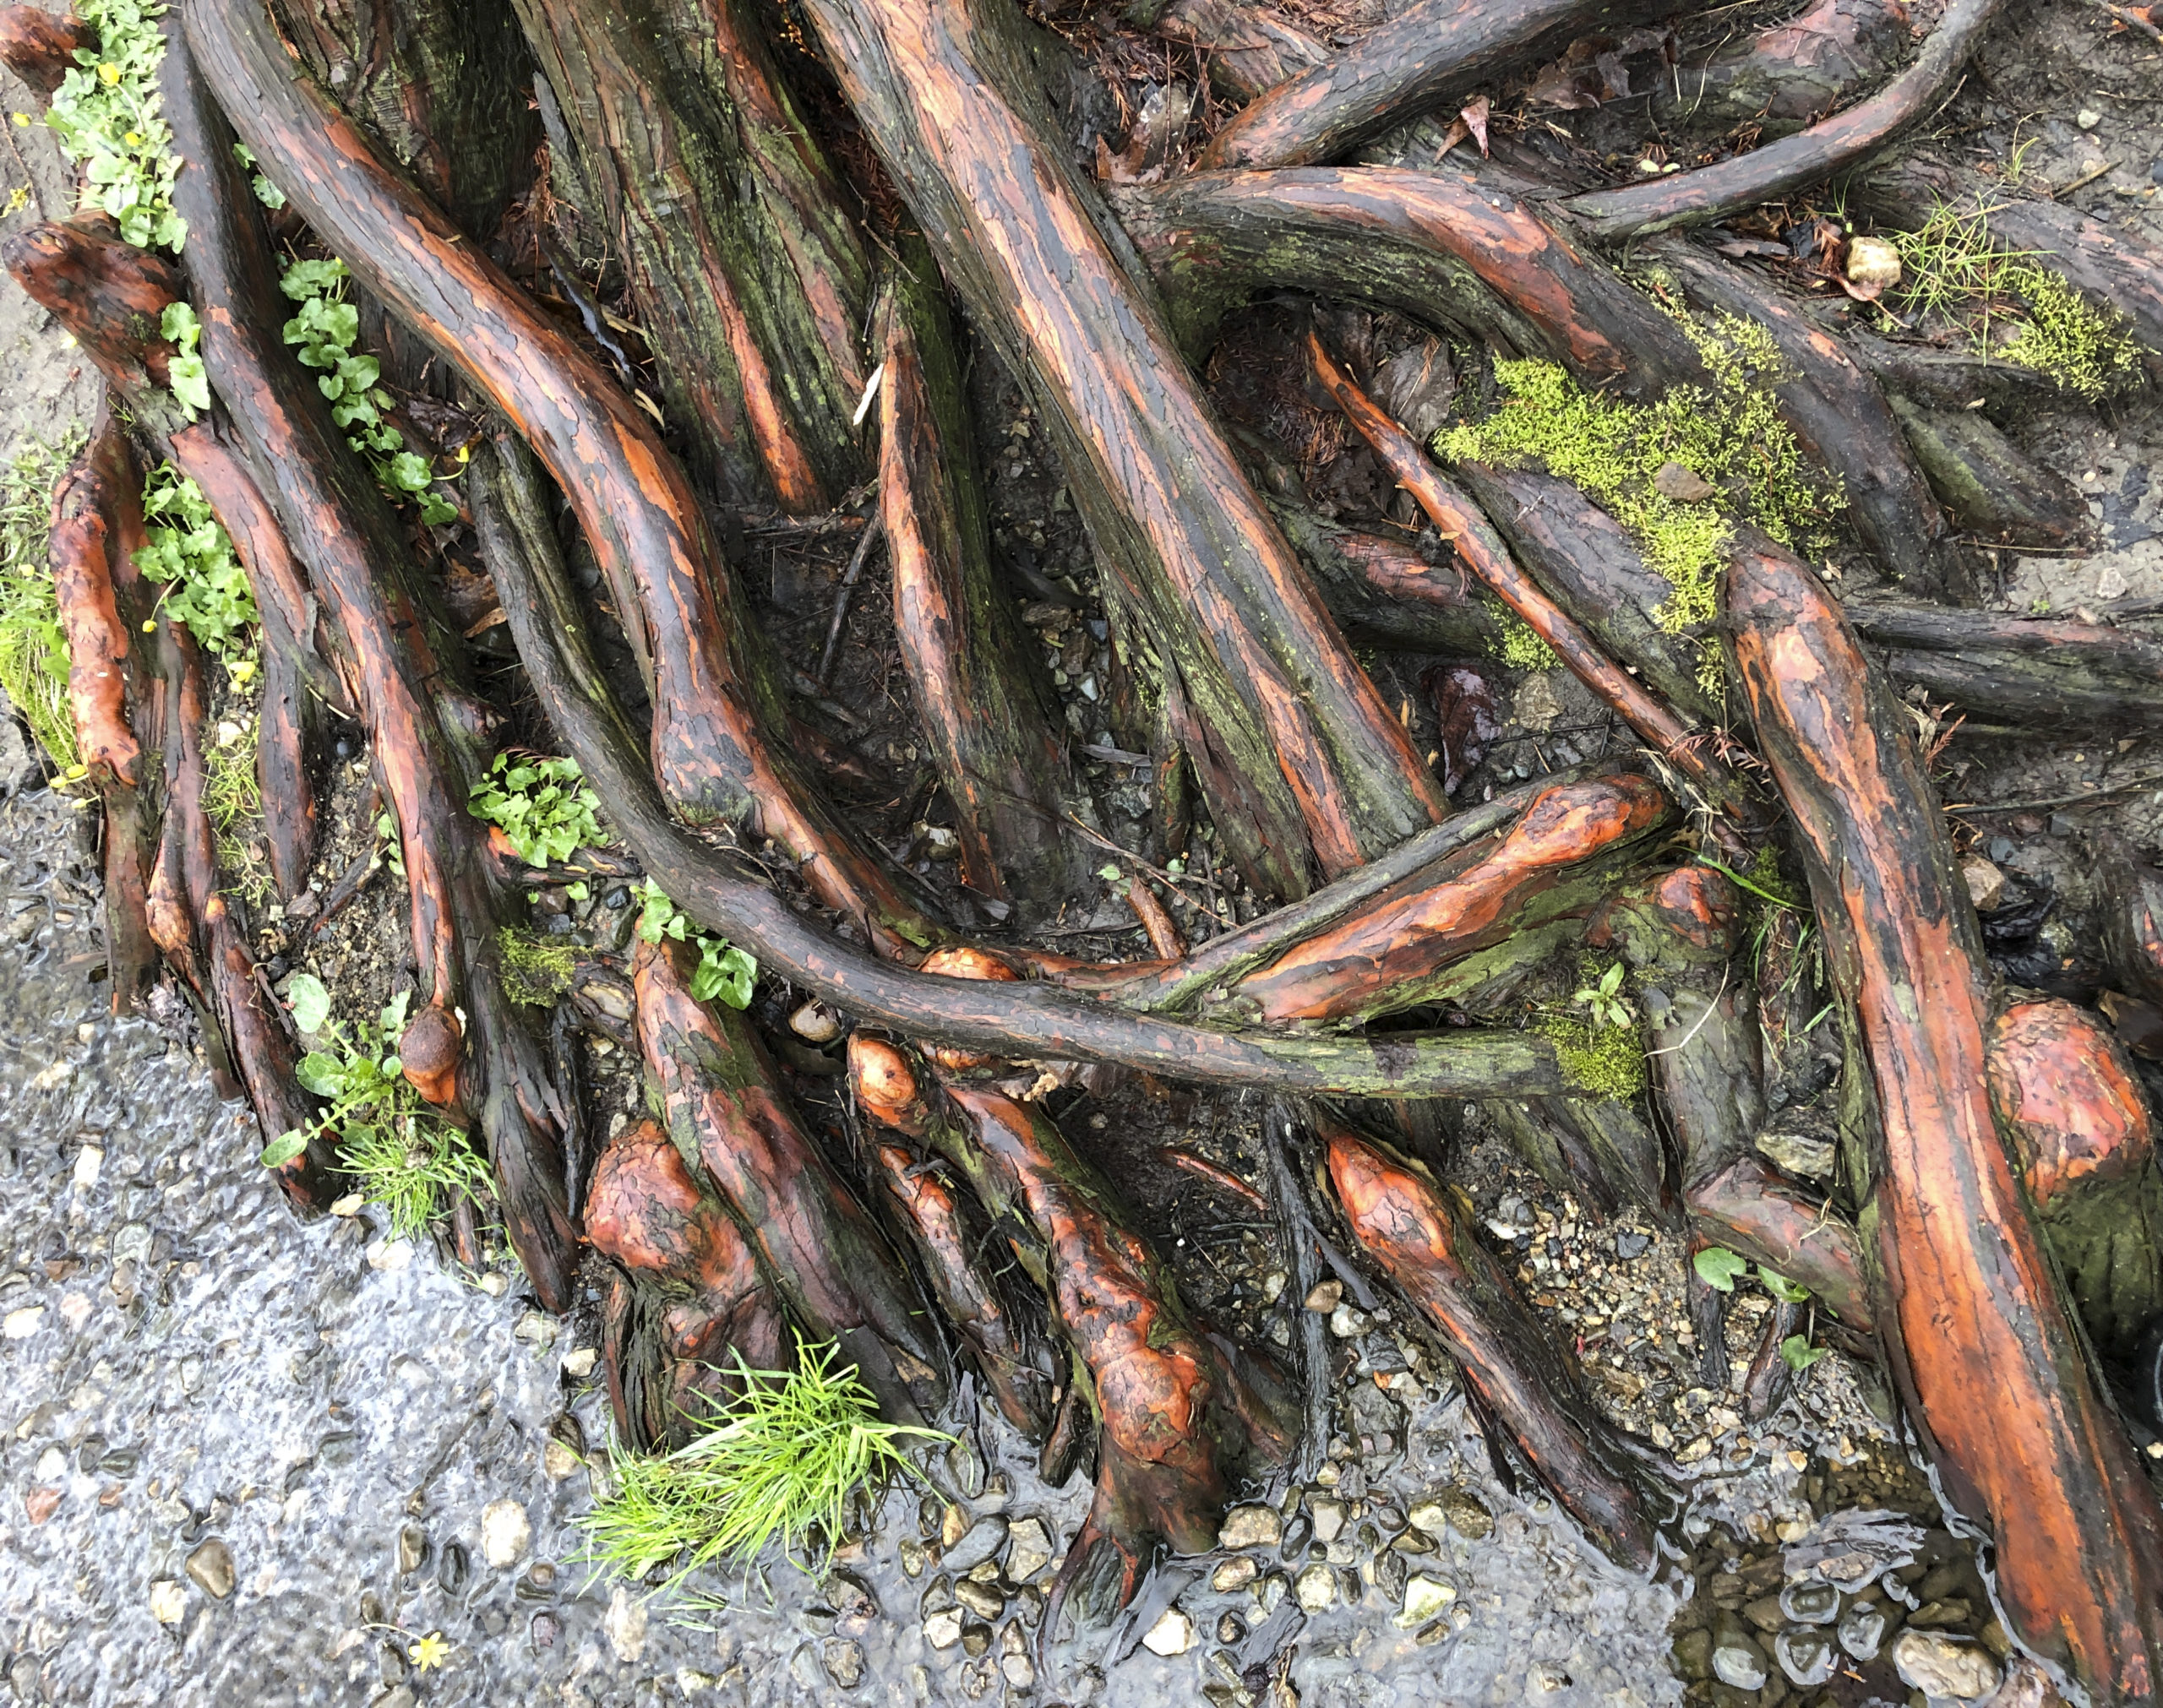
(186, 1364)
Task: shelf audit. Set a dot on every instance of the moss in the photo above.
(534, 972)
(1606, 1062)
(233, 801)
(1730, 436)
(2085, 349)
(1519, 647)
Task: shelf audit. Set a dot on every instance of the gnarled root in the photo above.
(821, 1251)
(1524, 1381)
(1977, 1329)
(685, 1300)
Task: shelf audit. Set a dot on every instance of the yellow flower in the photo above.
(110, 72)
(429, 1653)
(134, 139)
(22, 118)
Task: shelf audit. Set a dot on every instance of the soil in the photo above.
(248, 1459)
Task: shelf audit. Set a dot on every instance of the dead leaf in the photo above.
(1684, 486)
(1474, 117)
(1464, 701)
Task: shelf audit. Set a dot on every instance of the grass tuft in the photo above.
(233, 801)
(1954, 270)
(33, 647)
(776, 1464)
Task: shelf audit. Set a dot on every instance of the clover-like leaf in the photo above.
(1719, 1267)
(309, 1001)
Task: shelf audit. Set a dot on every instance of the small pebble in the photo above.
(505, 1532)
(1172, 1635)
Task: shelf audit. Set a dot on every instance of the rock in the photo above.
(504, 1533)
(1765, 1614)
(1806, 1655)
(41, 1504)
(1324, 1297)
(1810, 1603)
(1314, 1588)
(986, 1601)
(19, 1325)
(412, 1548)
(1172, 1635)
(815, 1023)
(168, 1601)
(1545, 1679)
(88, 1161)
(624, 1624)
(1861, 1630)
(1950, 1611)
(1684, 486)
(559, 1462)
(976, 1639)
(1805, 1155)
(843, 1659)
(953, 1525)
(1251, 1527)
(1018, 1670)
(1737, 1660)
(1939, 1665)
(536, 1328)
(1328, 1515)
(913, 1558)
(1459, 1508)
(1348, 1324)
(211, 1567)
(1425, 1598)
(943, 1629)
(579, 1365)
(981, 1542)
(1986, 883)
(1693, 1655)
(2088, 119)
(1872, 262)
(1028, 1549)
(1390, 1572)
(1231, 1630)
(1235, 1575)
(451, 1568)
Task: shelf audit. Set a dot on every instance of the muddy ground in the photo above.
(248, 1460)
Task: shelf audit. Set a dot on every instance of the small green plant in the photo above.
(191, 381)
(1798, 1354)
(1603, 999)
(106, 113)
(403, 1156)
(534, 972)
(1720, 1269)
(323, 333)
(1954, 269)
(542, 805)
(266, 193)
(189, 552)
(780, 1461)
(725, 973)
(33, 647)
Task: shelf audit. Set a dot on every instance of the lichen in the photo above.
(1731, 438)
(534, 972)
(1607, 1062)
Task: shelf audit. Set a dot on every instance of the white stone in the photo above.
(1873, 261)
(1235, 1575)
(505, 1533)
(389, 1255)
(1251, 1527)
(625, 1624)
(168, 1601)
(1172, 1635)
(1425, 1598)
(943, 1629)
(1939, 1665)
(1028, 1549)
(579, 1365)
(88, 1161)
(21, 1325)
(1315, 1588)
(557, 1461)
